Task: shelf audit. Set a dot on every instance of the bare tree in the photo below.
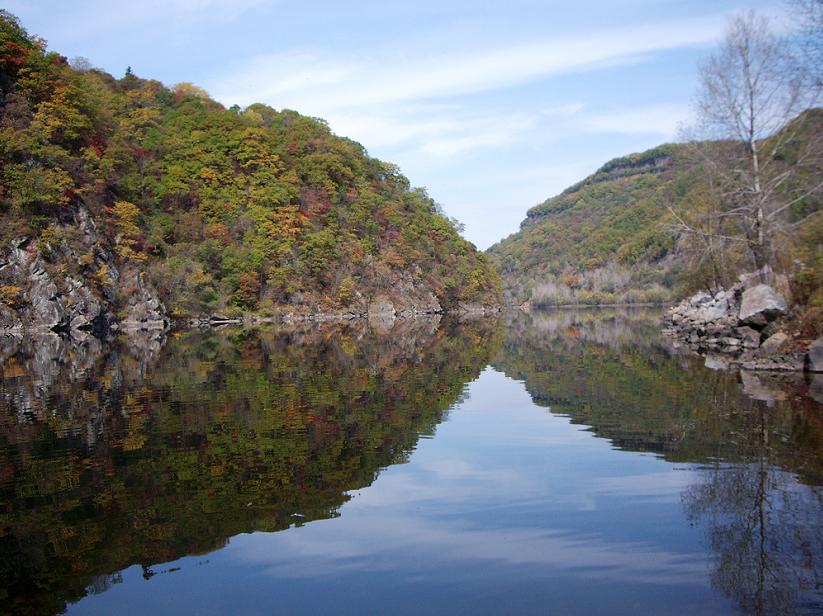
(809, 16)
(81, 64)
(753, 142)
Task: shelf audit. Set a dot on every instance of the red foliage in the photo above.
(218, 231)
(316, 204)
(15, 53)
(70, 194)
(13, 56)
(97, 143)
(249, 289)
(139, 152)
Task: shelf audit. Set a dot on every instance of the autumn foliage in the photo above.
(221, 207)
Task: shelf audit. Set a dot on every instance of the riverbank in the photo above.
(378, 311)
(750, 325)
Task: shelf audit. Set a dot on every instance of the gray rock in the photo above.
(774, 344)
(381, 308)
(760, 305)
(143, 310)
(717, 362)
(814, 357)
(712, 311)
(9, 321)
(786, 362)
(699, 299)
(750, 337)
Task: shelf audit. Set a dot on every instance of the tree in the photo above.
(760, 152)
(809, 16)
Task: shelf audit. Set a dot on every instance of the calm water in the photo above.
(567, 462)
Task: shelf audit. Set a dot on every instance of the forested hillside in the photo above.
(112, 187)
(614, 236)
(600, 240)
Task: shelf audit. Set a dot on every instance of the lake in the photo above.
(568, 462)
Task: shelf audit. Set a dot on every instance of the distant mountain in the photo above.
(122, 200)
(579, 245)
(610, 238)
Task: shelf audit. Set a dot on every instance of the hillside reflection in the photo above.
(756, 439)
(142, 453)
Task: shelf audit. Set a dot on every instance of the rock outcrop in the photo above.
(743, 324)
(72, 283)
(142, 309)
(44, 300)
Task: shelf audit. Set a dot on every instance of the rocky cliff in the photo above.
(124, 202)
(57, 285)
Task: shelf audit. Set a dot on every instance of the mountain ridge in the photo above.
(612, 237)
(201, 209)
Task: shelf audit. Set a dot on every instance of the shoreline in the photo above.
(384, 318)
(612, 305)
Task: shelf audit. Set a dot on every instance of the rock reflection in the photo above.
(757, 439)
(136, 454)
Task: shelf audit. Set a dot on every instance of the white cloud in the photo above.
(384, 76)
(479, 132)
(661, 120)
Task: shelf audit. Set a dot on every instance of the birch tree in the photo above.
(760, 152)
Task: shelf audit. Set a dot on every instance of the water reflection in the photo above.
(757, 437)
(135, 454)
(586, 466)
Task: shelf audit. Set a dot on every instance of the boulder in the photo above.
(749, 336)
(760, 305)
(698, 299)
(774, 343)
(814, 358)
(712, 311)
(717, 362)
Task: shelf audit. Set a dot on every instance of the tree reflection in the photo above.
(111, 456)
(763, 526)
(758, 441)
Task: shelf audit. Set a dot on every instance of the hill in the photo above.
(601, 240)
(611, 239)
(122, 199)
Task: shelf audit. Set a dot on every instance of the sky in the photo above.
(492, 106)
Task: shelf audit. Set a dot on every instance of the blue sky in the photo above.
(492, 106)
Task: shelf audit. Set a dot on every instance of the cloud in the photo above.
(651, 119)
(385, 76)
(371, 542)
(482, 131)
